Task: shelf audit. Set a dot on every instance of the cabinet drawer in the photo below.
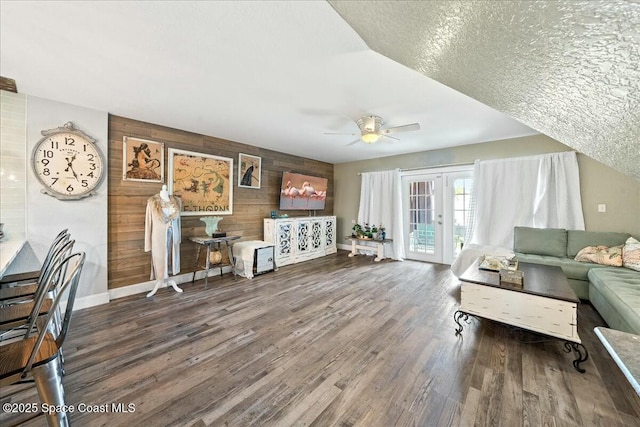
(548, 316)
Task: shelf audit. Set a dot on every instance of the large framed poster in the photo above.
(203, 182)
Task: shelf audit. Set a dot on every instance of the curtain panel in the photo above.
(536, 191)
(381, 203)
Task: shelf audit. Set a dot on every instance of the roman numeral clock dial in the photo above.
(68, 163)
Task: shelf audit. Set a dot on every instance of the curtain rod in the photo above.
(433, 167)
(438, 166)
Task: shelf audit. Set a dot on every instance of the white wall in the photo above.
(598, 183)
(13, 162)
(86, 219)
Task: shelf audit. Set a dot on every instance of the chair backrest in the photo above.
(62, 238)
(51, 275)
(73, 264)
(50, 281)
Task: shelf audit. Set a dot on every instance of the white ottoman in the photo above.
(253, 257)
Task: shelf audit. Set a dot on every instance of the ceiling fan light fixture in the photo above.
(370, 137)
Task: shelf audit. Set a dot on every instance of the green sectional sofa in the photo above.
(613, 291)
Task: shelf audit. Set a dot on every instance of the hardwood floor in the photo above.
(336, 341)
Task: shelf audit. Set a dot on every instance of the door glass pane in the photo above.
(462, 194)
(421, 216)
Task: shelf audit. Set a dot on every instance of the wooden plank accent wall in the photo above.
(128, 263)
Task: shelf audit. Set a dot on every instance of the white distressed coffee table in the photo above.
(545, 303)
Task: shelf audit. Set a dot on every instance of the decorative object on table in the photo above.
(382, 234)
(365, 231)
(274, 215)
(203, 182)
(497, 263)
(511, 277)
(249, 170)
(215, 257)
(68, 163)
(142, 160)
(211, 224)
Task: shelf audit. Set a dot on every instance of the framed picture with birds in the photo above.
(249, 171)
(203, 182)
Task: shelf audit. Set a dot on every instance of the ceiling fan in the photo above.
(371, 132)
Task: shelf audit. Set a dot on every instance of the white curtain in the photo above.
(537, 191)
(381, 203)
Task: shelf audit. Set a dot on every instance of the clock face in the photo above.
(68, 164)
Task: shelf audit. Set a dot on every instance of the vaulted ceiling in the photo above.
(569, 69)
(281, 75)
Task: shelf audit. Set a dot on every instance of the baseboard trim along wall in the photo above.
(88, 301)
(343, 246)
(125, 291)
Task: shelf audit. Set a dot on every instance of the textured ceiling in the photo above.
(272, 74)
(569, 69)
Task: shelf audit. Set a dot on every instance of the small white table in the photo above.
(379, 246)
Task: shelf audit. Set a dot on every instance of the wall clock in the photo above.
(68, 163)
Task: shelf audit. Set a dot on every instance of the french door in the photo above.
(422, 209)
(435, 210)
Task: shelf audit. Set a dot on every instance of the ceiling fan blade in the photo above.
(354, 142)
(341, 133)
(390, 137)
(403, 128)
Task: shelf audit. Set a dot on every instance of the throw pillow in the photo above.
(601, 255)
(631, 254)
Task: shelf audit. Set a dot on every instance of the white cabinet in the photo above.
(329, 230)
(300, 239)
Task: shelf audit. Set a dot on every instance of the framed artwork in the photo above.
(142, 160)
(249, 170)
(203, 182)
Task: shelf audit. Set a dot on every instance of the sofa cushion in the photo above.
(621, 289)
(631, 254)
(540, 241)
(601, 255)
(572, 269)
(578, 239)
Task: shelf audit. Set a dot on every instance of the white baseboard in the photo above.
(344, 246)
(145, 287)
(88, 301)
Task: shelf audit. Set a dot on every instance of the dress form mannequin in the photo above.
(166, 215)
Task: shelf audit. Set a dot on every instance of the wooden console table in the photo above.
(216, 243)
(379, 246)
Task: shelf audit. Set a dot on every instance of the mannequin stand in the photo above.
(166, 283)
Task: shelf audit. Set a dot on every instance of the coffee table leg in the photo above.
(456, 318)
(569, 346)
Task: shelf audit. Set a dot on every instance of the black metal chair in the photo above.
(39, 356)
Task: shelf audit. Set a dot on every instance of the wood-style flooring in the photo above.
(335, 341)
